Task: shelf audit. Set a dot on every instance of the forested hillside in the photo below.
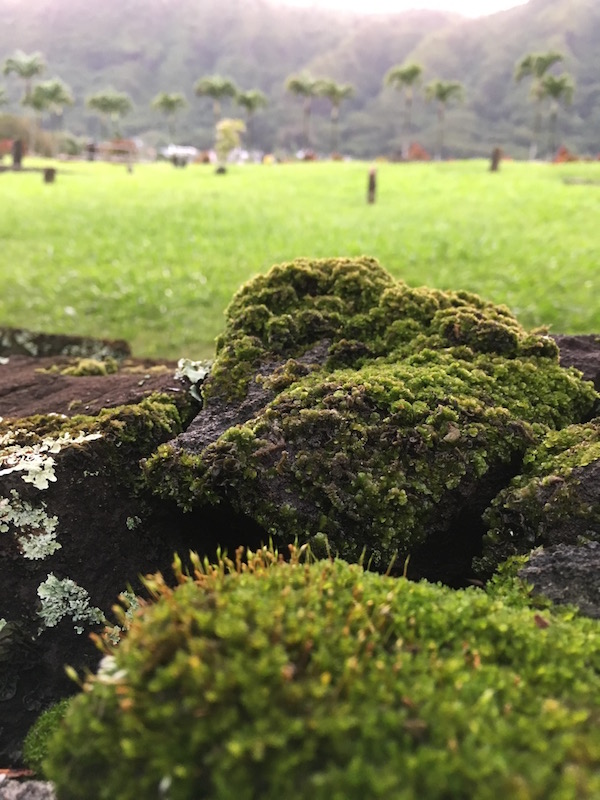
(143, 47)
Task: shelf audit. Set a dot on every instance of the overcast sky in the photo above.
(469, 8)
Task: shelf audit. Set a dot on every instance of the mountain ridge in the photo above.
(146, 46)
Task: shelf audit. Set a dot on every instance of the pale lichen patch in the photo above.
(37, 529)
(195, 372)
(65, 598)
(35, 460)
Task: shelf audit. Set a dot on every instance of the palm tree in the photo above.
(217, 88)
(405, 78)
(442, 92)
(37, 100)
(58, 95)
(535, 66)
(26, 67)
(112, 105)
(170, 105)
(52, 95)
(557, 88)
(336, 94)
(305, 87)
(251, 101)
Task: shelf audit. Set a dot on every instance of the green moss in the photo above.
(295, 305)
(418, 396)
(35, 746)
(375, 457)
(158, 411)
(547, 492)
(127, 432)
(320, 680)
(84, 367)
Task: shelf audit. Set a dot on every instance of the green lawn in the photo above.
(155, 256)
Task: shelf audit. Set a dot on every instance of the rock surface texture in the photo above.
(27, 790)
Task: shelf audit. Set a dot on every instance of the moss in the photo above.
(295, 305)
(159, 412)
(35, 745)
(125, 433)
(379, 457)
(268, 679)
(418, 397)
(85, 367)
(551, 491)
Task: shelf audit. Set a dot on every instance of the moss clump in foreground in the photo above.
(556, 499)
(421, 408)
(297, 680)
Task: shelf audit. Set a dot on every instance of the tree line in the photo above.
(53, 96)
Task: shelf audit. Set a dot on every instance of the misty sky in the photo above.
(469, 8)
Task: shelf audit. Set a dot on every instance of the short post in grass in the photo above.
(372, 185)
(496, 159)
(17, 153)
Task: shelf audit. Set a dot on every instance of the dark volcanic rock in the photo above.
(43, 385)
(21, 341)
(583, 353)
(555, 500)
(75, 527)
(567, 574)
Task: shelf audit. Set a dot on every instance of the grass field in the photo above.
(155, 256)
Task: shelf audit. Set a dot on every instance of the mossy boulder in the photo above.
(346, 408)
(555, 500)
(270, 679)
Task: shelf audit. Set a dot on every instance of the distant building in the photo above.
(180, 152)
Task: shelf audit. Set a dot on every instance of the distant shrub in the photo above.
(272, 680)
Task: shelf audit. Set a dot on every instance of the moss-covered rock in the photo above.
(84, 367)
(372, 416)
(554, 500)
(268, 680)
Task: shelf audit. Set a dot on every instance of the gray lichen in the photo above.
(37, 530)
(64, 598)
